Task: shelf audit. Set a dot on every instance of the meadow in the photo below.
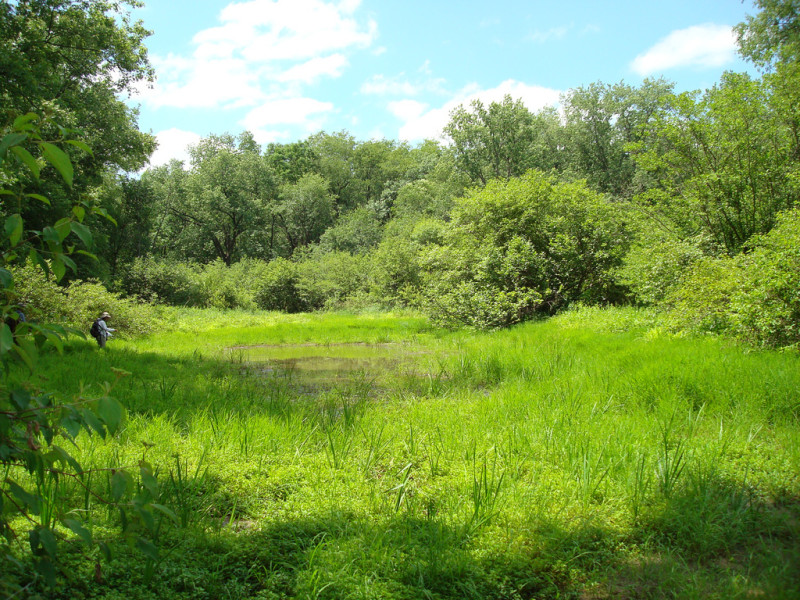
(592, 455)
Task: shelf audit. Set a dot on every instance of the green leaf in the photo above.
(23, 351)
(31, 501)
(39, 197)
(78, 529)
(27, 159)
(24, 122)
(119, 484)
(66, 458)
(110, 411)
(59, 270)
(6, 339)
(79, 212)
(103, 213)
(147, 548)
(12, 139)
(93, 422)
(14, 229)
(82, 145)
(82, 231)
(62, 227)
(165, 510)
(48, 541)
(6, 279)
(59, 159)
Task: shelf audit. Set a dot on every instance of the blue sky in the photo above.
(284, 69)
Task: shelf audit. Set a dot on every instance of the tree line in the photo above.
(627, 194)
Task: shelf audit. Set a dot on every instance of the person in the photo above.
(101, 331)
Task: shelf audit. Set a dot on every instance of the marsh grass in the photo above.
(589, 456)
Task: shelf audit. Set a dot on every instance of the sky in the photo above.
(394, 69)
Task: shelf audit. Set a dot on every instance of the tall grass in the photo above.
(587, 456)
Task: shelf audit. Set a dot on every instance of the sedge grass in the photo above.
(589, 456)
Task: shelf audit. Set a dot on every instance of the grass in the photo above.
(589, 456)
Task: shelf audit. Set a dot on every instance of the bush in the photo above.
(166, 281)
(333, 280)
(277, 287)
(79, 303)
(524, 246)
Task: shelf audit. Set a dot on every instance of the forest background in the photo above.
(629, 195)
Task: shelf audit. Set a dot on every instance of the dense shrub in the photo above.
(754, 296)
(334, 280)
(524, 246)
(79, 303)
(161, 280)
(277, 287)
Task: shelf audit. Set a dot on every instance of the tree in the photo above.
(305, 211)
(524, 246)
(502, 140)
(773, 35)
(724, 164)
(600, 121)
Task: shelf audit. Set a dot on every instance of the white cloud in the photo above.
(706, 45)
(400, 85)
(307, 72)
(407, 109)
(429, 124)
(173, 143)
(259, 47)
(289, 111)
(554, 33)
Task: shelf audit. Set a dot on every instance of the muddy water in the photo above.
(328, 365)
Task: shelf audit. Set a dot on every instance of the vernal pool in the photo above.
(323, 365)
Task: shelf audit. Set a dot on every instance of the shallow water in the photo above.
(327, 365)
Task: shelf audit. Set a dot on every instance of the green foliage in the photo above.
(39, 476)
(356, 232)
(77, 304)
(753, 296)
(525, 246)
(278, 287)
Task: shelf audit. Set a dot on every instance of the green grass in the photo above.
(589, 456)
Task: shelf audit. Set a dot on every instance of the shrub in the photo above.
(166, 281)
(524, 246)
(277, 287)
(79, 303)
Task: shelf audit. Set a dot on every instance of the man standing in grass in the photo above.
(101, 331)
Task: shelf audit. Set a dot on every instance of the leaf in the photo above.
(110, 411)
(78, 529)
(48, 541)
(147, 548)
(82, 145)
(23, 122)
(165, 510)
(6, 279)
(59, 270)
(79, 212)
(6, 339)
(31, 501)
(12, 139)
(39, 197)
(62, 227)
(103, 213)
(119, 483)
(25, 354)
(93, 422)
(59, 159)
(27, 159)
(14, 229)
(82, 231)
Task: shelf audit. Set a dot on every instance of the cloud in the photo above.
(407, 109)
(259, 48)
(173, 143)
(401, 85)
(292, 111)
(313, 69)
(554, 33)
(428, 124)
(706, 45)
